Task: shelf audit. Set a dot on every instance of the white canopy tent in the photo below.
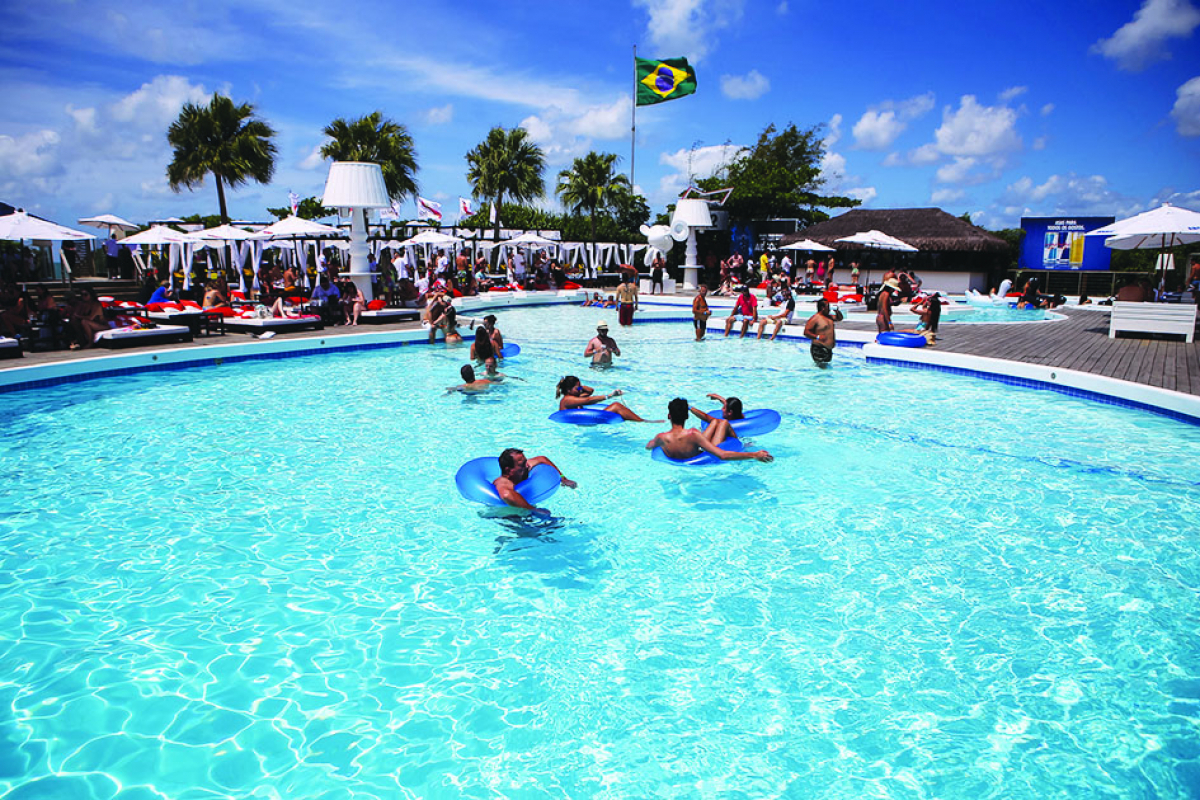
(878, 240)
(19, 226)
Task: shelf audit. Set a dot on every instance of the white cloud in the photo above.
(565, 135)
(688, 27)
(975, 130)
(603, 121)
(440, 115)
(947, 196)
(314, 158)
(691, 164)
(1047, 109)
(833, 167)
(863, 193)
(882, 124)
(1070, 194)
(1039, 143)
(749, 87)
(782, 8)
(85, 118)
(156, 104)
(1186, 111)
(835, 131)
(32, 155)
(958, 170)
(1143, 40)
(1012, 93)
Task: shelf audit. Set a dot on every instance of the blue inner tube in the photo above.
(901, 339)
(700, 459)
(474, 482)
(586, 416)
(509, 350)
(754, 422)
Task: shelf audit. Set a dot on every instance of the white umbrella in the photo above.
(528, 239)
(159, 234)
(18, 225)
(878, 240)
(111, 222)
(295, 227)
(809, 245)
(435, 238)
(228, 233)
(1165, 226)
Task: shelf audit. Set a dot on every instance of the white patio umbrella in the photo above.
(19, 225)
(435, 238)
(1163, 227)
(808, 245)
(110, 222)
(296, 227)
(878, 240)
(529, 239)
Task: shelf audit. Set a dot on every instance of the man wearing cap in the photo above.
(883, 317)
(602, 348)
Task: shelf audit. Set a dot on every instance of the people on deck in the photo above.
(656, 274)
(820, 329)
(573, 394)
(745, 310)
(163, 294)
(326, 299)
(353, 303)
(213, 297)
(683, 443)
(514, 468)
(700, 312)
(87, 319)
(602, 347)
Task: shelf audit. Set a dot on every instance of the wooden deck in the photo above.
(1079, 342)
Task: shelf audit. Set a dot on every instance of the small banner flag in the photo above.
(660, 81)
(390, 213)
(492, 216)
(427, 209)
(464, 208)
(294, 201)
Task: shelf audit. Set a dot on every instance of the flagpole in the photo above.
(633, 122)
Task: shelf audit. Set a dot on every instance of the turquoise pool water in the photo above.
(257, 580)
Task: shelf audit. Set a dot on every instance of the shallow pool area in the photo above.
(258, 580)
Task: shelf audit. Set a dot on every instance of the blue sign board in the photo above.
(1060, 243)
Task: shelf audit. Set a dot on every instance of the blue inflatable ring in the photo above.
(474, 482)
(586, 416)
(754, 422)
(509, 350)
(901, 339)
(701, 459)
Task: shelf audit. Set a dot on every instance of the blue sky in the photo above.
(1000, 110)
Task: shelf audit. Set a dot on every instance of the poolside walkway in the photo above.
(1080, 342)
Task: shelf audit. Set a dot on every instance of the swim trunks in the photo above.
(820, 353)
(699, 324)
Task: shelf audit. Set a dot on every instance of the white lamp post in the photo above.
(690, 214)
(357, 186)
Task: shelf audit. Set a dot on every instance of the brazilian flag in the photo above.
(660, 81)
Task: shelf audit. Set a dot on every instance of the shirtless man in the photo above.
(602, 347)
(471, 384)
(819, 328)
(883, 317)
(682, 443)
(1194, 278)
(627, 299)
(514, 468)
(700, 312)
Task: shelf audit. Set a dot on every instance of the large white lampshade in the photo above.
(355, 184)
(694, 212)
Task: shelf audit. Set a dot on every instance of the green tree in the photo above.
(779, 176)
(631, 212)
(379, 140)
(223, 139)
(308, 208)
(591, 185)
(506, 163)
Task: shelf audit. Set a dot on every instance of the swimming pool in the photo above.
(257, 579)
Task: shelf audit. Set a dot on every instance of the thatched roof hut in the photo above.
(927, 229)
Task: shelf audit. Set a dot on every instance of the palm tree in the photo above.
(590, 184)
(379, 140)
(508, 163)
(221, 138)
